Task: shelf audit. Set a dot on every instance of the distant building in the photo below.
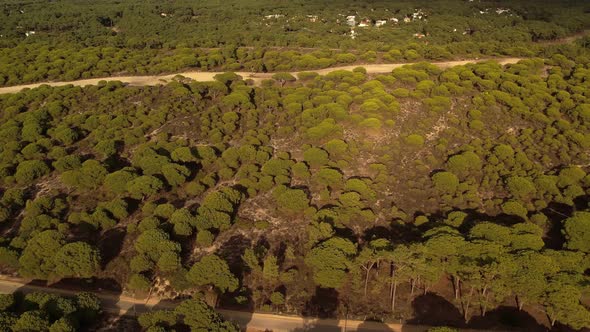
(29, 33)
(501, 11)
(364, 23)
(419, 35)
(274, 16)
(418, 14)
(312, 18)
(379, 23)
(394, 20)
(352, 33)
(407, 19)
(351, 20)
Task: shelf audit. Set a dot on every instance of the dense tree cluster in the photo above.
(48, 312)
(67, 40)
(194, 314)
(471, 182)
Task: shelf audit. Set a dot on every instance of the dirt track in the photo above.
(249, 321)
(257, 77)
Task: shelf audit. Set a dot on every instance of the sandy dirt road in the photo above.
(257, 77)
(248, 321)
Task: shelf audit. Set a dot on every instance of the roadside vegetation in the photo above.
(48, 312)
(40, 311)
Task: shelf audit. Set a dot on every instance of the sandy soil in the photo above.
(257, 77)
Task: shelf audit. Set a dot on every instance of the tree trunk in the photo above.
(457, 286)
(367, 277)
(519, 302)
(413, 285)
(466, 310)
(391, 288)
(393, 297)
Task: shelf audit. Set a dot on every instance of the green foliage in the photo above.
(199, 316)
(445, 182)
(205, 238)
(520, 187)
(30, 170)
(315, 157)
(6, 301)
(76, 260)
(291, 200)
(442, 329)
(144, 186)
(514, 208)
(139, 282)
(576, 230)
(36, 260)
(330, 260)
(415, 140)
(154, 243)
(330, 167)
(31, 321)
(214, 271)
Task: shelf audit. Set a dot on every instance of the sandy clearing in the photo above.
(257, 77)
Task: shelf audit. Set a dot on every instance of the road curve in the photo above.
(257, 77)
(248, 321)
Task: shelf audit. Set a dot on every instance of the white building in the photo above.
(379, 23)
(364, 23)
(351, 20)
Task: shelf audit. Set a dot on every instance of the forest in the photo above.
(366, 196)
(68, 40)
(470, 182)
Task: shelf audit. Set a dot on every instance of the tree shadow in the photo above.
(338, 325)
(377, 232)
(120, 323)
(474, 217)
(323, 304)
(556, 213)
(313, 325)
(434, 310)
(368, 326)
(232, 250)
(110, 244)
(507, 317)
(582, 202)
(99, 285)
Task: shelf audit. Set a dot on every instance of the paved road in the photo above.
(257, 77)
